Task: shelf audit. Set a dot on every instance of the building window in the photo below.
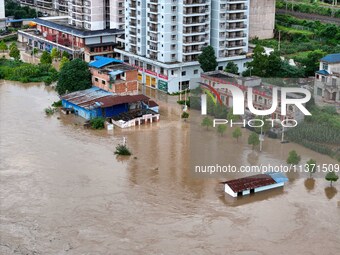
(96, 79)
(184, 73)
(324, 66)
(319, 92)
(196, 71)
(103, 82)
(220, 68)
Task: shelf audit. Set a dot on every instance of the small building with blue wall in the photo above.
(95, 102)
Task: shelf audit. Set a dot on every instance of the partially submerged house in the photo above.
(253, 184)
(114, 75)
(95, 102)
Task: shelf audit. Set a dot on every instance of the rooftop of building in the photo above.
(97, 98)
(62, 25)
(256, 181)
(331, 58)
(100, 61)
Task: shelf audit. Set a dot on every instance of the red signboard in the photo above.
(163, 76)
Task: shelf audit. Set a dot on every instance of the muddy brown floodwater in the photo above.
(64, 192)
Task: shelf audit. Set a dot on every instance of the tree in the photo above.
(3, 46)
(311, 167)
(237, 133)
(231, 68)
(63, 61)
(54, 53)
(14, 52)
(75, 75)
(12, 45)
(266, 125)
(185, 116)
(207, 122)
(293, 158)
(253, 139)
(331, 177)
(45, 58)
(65, 54)
(221, 129)
(312, 62)
(207, 59)
(231, 116)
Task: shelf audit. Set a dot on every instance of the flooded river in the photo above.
(64, 192)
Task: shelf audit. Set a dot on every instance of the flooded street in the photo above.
(64, 192)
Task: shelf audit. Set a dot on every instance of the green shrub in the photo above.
(97, 123)
(57, 104)
(49, 111)
(122, 150)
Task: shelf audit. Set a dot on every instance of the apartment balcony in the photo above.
(190, 50)
(133, 5)
(153, 29)
(235, 45)
(194, 21)
(195, 11)
(153, 48)
(195, 31)
(79, 3)
(153, 38)
(235, 36)
(153, 9)
(234, 27)
(233, 18)
(78, 10)
(234, 8)
(194, 2)
(153, 56)
(133, 41)
(132, 23)
(195, 40)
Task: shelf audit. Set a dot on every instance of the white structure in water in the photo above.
(253, 184)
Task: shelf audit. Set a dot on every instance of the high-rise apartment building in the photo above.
(164, 38)
(2, 15)
(84, 14)
(51, 7)
(96, 14)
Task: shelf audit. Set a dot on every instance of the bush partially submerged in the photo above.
(49, 111)
(97, 123)
(57, 104)
(122, 150)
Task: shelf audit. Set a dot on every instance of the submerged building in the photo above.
(95, 102)
(254, 184)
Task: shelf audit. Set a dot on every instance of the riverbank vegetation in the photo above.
(16, 70)
(303, 41)
(319, 132)
(308, 6)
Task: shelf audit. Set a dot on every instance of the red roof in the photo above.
(250, 182)
(152, 103)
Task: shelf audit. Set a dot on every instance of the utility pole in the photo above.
(279, 46)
